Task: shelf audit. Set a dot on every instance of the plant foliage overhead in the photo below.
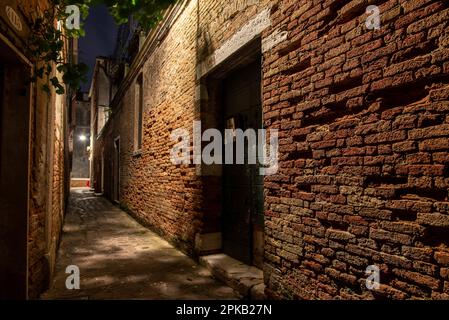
(48, 37)
(147, 12)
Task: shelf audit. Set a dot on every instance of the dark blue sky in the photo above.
(101, 32)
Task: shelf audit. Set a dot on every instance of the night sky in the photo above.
(101, 32)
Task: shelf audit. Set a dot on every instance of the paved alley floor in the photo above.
(120, 259)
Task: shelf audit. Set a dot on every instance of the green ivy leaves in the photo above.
(73, 74)
(147, 12)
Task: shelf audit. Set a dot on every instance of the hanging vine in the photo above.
(50, 34)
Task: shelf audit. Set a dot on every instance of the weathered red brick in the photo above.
(418, 278)
(388, 236)
(442, 258)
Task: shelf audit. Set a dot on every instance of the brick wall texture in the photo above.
(363, 118)
(48, 175)
(48, 188)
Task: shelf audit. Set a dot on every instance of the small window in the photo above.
(138, 115)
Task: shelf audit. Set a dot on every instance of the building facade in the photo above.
(101, 92)
(362, 117)
(34, 160)
(80, 173)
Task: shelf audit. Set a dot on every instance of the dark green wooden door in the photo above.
(242, 184)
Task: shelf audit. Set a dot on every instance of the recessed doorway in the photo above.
(242, 183)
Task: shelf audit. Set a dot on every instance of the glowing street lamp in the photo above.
(82, 138)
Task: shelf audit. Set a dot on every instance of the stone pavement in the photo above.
(120, 259)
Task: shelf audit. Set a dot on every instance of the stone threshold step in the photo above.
(246, 280)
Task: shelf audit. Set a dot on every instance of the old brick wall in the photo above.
(177, 201)
(47, 176)
(161, 195)
(363, 120)
(101, 130)
(48, 188)
(364, 150)
(103, 152)
(38, 265)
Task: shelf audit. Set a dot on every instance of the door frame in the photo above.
(210, 113)
(15, 285)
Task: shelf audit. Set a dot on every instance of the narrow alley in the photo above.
(258, 150)
(120, 259)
